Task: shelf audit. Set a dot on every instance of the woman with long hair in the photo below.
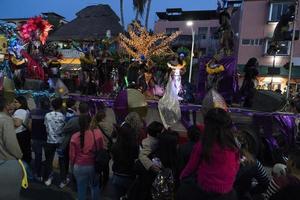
(83, 146)
(124, 153)
(21, 121)
(215, 160)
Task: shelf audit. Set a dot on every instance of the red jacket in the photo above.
(219, 174)
(85, 155)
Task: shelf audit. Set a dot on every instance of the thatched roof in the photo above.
(91, 23)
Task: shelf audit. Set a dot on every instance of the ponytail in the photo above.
(84, 124)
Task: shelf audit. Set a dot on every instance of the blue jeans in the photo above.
(121, 184)
(85, 176)
(37, 147)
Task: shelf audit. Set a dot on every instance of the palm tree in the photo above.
(139, 7)
(122, 13)
(147, 13)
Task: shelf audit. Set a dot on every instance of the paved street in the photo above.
(38, 191)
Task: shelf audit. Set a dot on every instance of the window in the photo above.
(214, 33)
(169, 31)
(245, 42)
(285, 47)
(253, 42)
(202, 32)
(261, 41)
(276, 10)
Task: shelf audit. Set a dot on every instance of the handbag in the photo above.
(101, 157)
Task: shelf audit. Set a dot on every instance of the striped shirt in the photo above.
(278, 183)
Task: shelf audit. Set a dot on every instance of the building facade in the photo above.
(257, 21)
(205, 25)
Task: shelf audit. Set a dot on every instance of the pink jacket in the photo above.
(85, 156)
(219, 174)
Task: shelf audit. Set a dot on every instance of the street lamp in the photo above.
(190, 24)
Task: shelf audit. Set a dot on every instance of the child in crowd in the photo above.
(286, 180)
(149, 145)
(54, 122)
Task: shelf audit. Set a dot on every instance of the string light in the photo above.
(141, 43)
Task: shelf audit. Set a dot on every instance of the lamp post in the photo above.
(292, 52)
(190, 24)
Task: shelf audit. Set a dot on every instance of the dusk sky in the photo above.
(68, 8)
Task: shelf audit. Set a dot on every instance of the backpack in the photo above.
(163, 186)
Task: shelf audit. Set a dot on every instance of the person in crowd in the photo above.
(292, 190)
(250, 169)
(162, 157)
(21, 120)
(137, 124)
(99, 122)
(71, 109)
(248, 87)
(54, 122)
(83, 146)
(185, 150)
(107, 128)
(39, 134)
(124, 153)
(286, 182)
(149, 145)
(145, 167)
(167, 152)
(71, 127)
(214, 160)
(10, 152)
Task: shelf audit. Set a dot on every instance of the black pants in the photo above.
(24, 142)
(104, 175)
(50, 150)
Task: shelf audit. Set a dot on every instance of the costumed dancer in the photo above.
(248, 87)
(177, 70)
(214, 75)
(225, 31)
(87, 62)
(214, 68)
(55, 83)
(19, 65)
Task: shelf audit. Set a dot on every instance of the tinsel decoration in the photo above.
(14, 43)
(142, 44)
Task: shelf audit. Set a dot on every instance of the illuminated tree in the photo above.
(142, 45)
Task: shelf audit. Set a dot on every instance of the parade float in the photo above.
(155, 96)
(270, 131)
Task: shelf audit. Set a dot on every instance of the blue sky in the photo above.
(68, 8)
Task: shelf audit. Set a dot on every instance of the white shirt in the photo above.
(54, 122)
(24, 116)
